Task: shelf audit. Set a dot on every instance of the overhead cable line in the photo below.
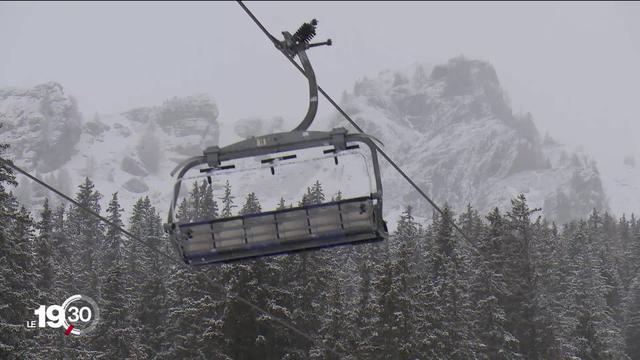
(357, 127)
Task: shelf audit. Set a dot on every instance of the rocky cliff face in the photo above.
(131, 153)
(454, 131)
(42, 125)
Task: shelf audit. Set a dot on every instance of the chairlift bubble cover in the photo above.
(354, 218)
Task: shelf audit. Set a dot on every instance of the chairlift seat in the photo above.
(348, 221)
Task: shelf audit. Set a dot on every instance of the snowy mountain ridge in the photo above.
(454, 132)
(451, 128)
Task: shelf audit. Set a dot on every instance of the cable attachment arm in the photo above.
(297, 44)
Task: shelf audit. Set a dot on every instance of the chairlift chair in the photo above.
(306, 227)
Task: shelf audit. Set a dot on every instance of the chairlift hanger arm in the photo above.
(297, 44)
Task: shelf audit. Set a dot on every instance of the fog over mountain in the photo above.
(451, 127)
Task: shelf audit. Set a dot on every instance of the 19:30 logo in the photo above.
(78, 319)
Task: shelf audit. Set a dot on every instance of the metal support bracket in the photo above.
(212, 154)
(338, 139)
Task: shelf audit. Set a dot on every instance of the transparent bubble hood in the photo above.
(278, 203)
(281, 178)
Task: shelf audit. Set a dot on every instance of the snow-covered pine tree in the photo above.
(85, 234)
(313, 195)
(386, 306)
(276, 276)
(307, 274)
(628, 266)
(634, 248)
(151, 304)
(45, 267)
(471, 223)
(195, 311)
(17, 271)
(607, 253)
(520, 277)
(446, 306)
(227, 201)
(112, 247)
(183, 214)
(335, 331)
(316, 194)
(62, 251)
(268, 273)
(362, 340)
(194, 307)
(117, 338)
(595, 334)
(195, 198)
(396, 285)
(251, 205)
(239, 322)
(488, 293)
(632, 320)
(209, 204)
(552, 337)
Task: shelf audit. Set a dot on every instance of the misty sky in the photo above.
(574, 66)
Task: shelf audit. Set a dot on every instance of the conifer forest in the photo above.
(525, 288)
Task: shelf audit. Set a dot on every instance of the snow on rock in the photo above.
(42, 125)
(137, 152)
(131, 153)
(132, 167)
(454, 132)
(136, 186)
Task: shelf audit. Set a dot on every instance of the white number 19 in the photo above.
(56, 316)
(53, 313)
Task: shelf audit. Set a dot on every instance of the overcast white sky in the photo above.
(574, 66)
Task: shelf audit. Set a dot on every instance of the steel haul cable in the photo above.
(357, 127)
(171, 258)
